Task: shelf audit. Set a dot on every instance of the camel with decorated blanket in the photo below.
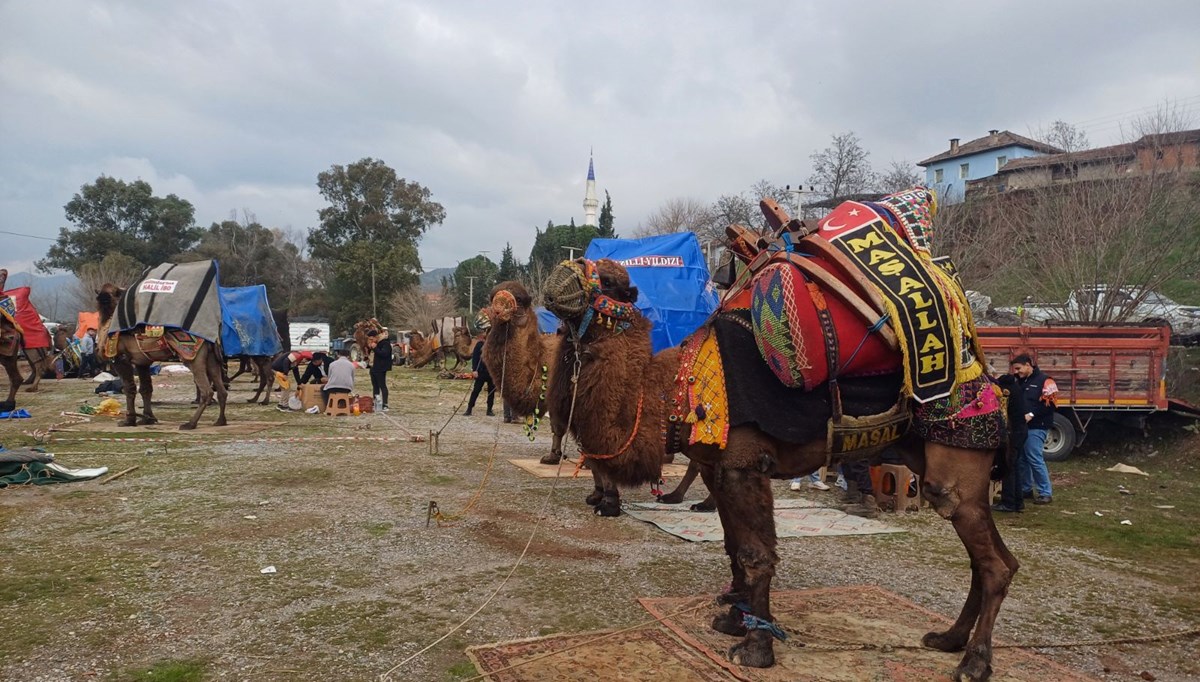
(185, 296)
(832, 344)
(10, 345)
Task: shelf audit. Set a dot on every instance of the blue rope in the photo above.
(753, 622)
(874, 328)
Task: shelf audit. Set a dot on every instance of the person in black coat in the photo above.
(1039, 395)
(381, 364)
(482, 376)
(1011, 499)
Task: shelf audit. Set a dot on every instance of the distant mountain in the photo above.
(431, 281)
(51, 294)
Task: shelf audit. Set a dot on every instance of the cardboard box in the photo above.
(309, 395)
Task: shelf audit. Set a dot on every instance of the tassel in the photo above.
(691, 417)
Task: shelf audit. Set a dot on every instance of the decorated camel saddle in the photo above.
(173, 309)
(854, 311)
(10, 333)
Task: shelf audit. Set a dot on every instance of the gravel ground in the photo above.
(163, 565)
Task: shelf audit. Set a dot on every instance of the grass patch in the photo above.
(463, 670)
(378, 530)
(168, 671)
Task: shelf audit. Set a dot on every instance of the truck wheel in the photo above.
(1060, 440)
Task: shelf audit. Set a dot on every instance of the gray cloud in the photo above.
(493, 106)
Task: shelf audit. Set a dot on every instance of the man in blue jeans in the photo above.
(1038, 393)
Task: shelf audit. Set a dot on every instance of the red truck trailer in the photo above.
(1116, 373)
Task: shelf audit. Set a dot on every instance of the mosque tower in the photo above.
(590, 203)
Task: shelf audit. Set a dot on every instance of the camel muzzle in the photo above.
(566, 292)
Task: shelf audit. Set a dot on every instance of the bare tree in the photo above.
(900, 175)
(115, 268)
(1063, 135)
(411, 308)
(842, 168)
(1137, 232)
(1167, 117)
(682, 214)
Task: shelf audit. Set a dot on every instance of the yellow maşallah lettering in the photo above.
(933, 363)
(932, 342)
(907, 284)
(892, 268)
(878, 255)
(925, 322)
(860, 243)
(920, 299)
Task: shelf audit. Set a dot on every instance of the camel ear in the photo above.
(98, 292)
(633, 292)
(120, 292)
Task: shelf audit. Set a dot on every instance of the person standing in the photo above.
(1039, 394)
(482, 376)
(381, 364)
(87, 354)
(1011, 499)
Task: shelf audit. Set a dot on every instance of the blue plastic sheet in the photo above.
(547, 321)
(674, 289)
(247, 327)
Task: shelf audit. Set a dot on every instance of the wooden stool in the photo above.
(897, 477)
(338, 405)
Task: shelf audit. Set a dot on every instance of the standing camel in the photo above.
(10, 345)
(621, 416)
(260, 365)
(134, 350)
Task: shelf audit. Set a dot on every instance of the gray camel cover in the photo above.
(177, 296)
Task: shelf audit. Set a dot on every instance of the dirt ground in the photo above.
(156, 576)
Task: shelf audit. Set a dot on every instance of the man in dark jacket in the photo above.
(481, 377)
(1011, 499)
(381, 364)
(1039, 393)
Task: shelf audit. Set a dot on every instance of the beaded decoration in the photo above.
(534, 420)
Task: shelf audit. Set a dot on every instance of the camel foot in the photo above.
(595, 498)
(146, 421)
(552, 458)
(220, 422)
(669, 458)
(32, 389)
(753, 652)
(187, 427)
(976, 666)
(708, 505)
(945, 641)
(128, 422)
(671, 498)
(609, 506)
(266, 401)
(254, 399)
(730, 623)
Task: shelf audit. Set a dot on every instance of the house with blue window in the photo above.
(949, 172)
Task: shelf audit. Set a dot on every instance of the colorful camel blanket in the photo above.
(174, 296)
(26, 317)
(888, 242)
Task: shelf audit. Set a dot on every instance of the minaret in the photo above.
(590, 203)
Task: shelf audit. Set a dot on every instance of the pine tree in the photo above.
(509, 267)
(606, 218)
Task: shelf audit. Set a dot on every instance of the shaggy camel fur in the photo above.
(206, 367)
(617, 375)
(10, 346)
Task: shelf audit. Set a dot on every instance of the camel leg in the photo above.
(676, 496)
(14, 380)
(730, 622)
(744, 497)
(597, 495)
(610, 505)
(956, 483)
(216, 372)
(202, 376)
(37, 366)
(558, 428)
(243, 367)
(266, 380)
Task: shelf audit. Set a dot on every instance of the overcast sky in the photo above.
(494, 105)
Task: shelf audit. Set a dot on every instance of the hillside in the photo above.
(51, 294)
(431, 281)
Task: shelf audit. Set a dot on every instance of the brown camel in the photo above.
(621, 412)
(362, 340)
(260, 365)
(10, 347)
(133, 351)
(521, 360)
(423, 349)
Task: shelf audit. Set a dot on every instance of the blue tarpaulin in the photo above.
(247, 327)
(547, 321)
(674, 289)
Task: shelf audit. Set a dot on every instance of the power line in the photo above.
(31, 236)
(1123, 114)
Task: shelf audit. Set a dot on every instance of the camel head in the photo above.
(578, 290)
(107, 298)
(508, 301)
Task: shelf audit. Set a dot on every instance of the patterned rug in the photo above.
(540, 470)
(794, 518)
(863, 613)
(647, 655)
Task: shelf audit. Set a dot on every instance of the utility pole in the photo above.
(471, 294)
(798, 194)
(374, 312)
(571, 250)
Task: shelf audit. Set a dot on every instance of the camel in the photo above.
(621, 415)
(10, 347)
(131, 351)
(423, 349)
(362, 340)
(260, 365)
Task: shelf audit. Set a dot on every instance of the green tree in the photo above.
(606, 218)
(249, 253)
(113, 216)
(483, 271)
(548, 246)
(510, 268)
(369, 232)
